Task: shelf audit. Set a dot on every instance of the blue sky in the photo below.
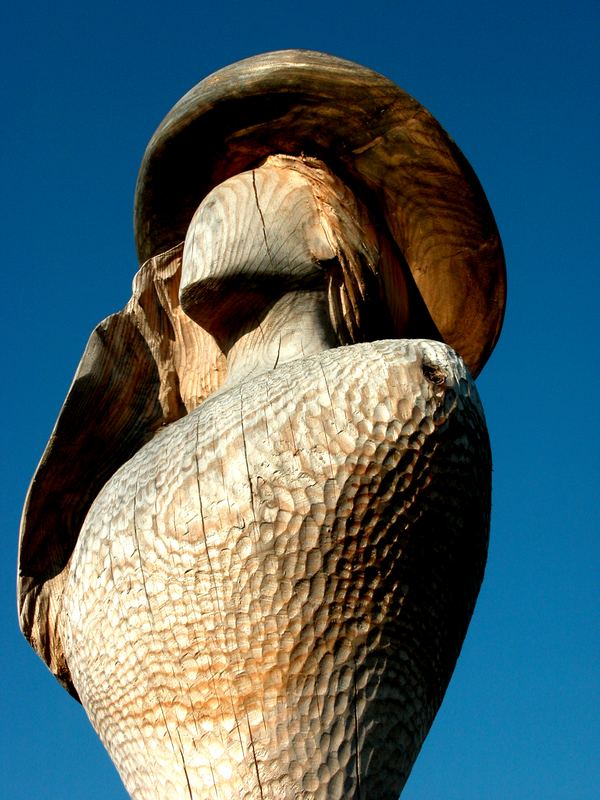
(517, 86)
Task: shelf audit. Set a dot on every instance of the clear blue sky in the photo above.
(517, 86)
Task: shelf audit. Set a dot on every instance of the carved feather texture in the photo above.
(252, 553)
(269, 598)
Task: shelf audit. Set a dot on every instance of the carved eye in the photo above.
(434, 374)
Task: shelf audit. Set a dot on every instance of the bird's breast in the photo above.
(273, 592)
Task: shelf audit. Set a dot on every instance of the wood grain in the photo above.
(283, 261)
(268, 600)
(143, 368)
(377, 139)
(254, 542)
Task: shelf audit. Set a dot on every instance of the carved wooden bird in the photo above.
(254, 543)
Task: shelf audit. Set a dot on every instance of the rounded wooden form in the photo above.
(380, 141)
(268, 599)
(253, 552)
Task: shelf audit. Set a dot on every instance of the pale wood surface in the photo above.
(377, 139)
(140, 371)
(283, 261)
(269, 598)
(251, 551)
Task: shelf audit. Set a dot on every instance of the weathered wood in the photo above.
(283, 261)
(143, 368)
(253, 552)
(376, 138)
(268, 600)
(252, 280)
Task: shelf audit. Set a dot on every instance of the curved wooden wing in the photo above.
(126, 387)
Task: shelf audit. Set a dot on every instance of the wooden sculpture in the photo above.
(254, 542)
